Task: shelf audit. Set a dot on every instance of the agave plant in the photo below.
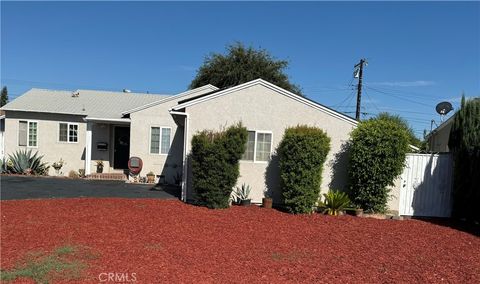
(335, 201)
(241, 193)
(24, 162)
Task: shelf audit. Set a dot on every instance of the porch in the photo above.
(107, 148)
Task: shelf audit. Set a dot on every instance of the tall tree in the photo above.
(241, 64)
(4, 97)
(403, 123)
(464, 142)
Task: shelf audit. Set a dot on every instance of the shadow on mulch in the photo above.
(170, 189)
(464, 226)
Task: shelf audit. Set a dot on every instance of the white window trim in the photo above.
(255, 147)
(68, 133)
(160, 141)
(28, 132)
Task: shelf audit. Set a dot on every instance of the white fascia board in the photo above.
(272, 87)
(123, 120)
(177, 96)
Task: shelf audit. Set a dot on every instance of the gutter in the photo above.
(124, 120)
(184, 156)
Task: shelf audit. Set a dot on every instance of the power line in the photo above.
(398, 97)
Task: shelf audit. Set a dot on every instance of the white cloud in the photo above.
(419, 83)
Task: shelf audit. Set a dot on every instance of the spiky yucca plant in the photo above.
(335, 201)
(24, 162)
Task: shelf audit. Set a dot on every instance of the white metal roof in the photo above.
(93, 103)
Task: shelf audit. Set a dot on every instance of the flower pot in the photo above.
(359, 212)
(267, 202)
(99, 169)
(245, 202)
(151, 178)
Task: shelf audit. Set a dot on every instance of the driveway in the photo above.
(20, 187)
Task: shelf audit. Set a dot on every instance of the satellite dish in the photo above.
(443, 108)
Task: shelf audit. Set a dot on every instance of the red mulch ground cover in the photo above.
(168, 241)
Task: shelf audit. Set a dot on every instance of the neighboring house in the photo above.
(82, 127)
(438, 138)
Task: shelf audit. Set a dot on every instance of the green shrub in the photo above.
(302, 153)
(334, 202)
(215, 167)
(23, 162)
(377, 156)
(464, 142)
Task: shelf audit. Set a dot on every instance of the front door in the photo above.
(121, 147)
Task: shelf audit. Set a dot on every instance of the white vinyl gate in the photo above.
(426, 185)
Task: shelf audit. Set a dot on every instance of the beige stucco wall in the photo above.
(393, 203)
(158, 116)
(260, 108)
(160, 164)
(47, 140)
(438, 140)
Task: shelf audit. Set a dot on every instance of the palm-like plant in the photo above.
(24, 162)
(241, 193)
(335, 201)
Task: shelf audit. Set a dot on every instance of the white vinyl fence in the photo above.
(426, 185)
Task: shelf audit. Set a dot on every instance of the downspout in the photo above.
(184, 156)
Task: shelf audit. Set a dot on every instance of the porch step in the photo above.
(107, 176)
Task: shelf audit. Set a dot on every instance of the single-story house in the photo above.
(438, 138)
(86, 126)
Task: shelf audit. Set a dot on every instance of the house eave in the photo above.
(180, 95)
(107, 120)
(274, 88)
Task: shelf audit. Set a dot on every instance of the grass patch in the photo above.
(44, 268)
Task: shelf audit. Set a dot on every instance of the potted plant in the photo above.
(150, 177)
(241, 194)
(358, 211)
(267, 200)
(99, 167)
(58, 166)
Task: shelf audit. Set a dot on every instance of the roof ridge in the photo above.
(122, 92)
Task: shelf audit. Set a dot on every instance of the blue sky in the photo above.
(419, 53)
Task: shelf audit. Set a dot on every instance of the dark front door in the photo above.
(121, 148)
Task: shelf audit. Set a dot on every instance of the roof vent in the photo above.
(75, 94)
(126, 91)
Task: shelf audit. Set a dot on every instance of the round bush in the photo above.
(215, 168)
(377, 156)
(302, 153)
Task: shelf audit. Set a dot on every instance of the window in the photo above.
(259, 146)
(250, 147)
(160, 140)
(68, 132)
(27, 133)
(264, 145)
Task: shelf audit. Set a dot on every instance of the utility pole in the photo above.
(359, 73)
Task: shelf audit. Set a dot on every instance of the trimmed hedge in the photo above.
(377, 156)
(302, 153)
(464, 142)
(215, 167)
